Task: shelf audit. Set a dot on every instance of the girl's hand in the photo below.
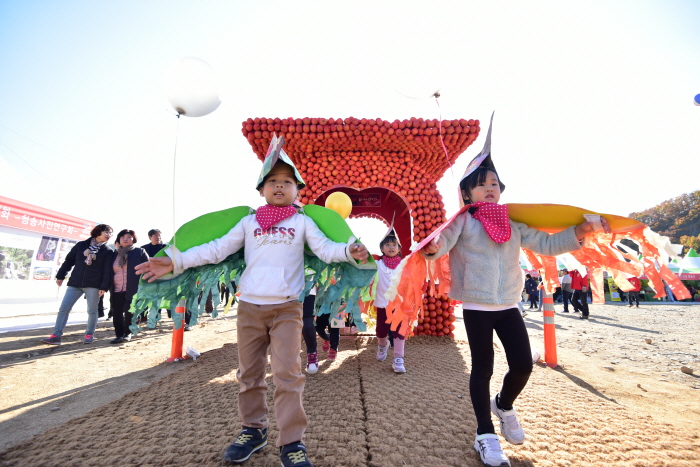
(155, 268)
(433, 247)
(589, 227)
(359, 252)
(59, 282)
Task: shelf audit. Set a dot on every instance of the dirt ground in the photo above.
(44, 386)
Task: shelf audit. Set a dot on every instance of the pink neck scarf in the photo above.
(494, 218)
(269, 215)
(391, 262)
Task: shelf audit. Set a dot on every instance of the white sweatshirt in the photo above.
(274, 258)
(385, 274)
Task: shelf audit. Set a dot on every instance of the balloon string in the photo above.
(442, 142)
(177, 132)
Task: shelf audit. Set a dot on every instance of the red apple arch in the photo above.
(399, 161)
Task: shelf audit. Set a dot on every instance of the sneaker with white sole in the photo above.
(398, 365)
(249, 440)
(294, 455)
(312, 363)
(52, 340)
(489, 448)
(381, 352)
(510, 426)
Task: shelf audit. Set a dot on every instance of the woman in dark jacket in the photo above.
(531, 290)
(91, 276)
(125, 282)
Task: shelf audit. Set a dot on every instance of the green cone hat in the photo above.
(274, 154)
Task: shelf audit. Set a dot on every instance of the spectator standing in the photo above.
(540, 290)
(155, 244)
(634, 293)
(580, 299)
(531, 290)
(91, 276)
(566, 290)
(153, 247)
(125, 282)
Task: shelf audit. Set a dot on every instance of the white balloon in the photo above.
(192, 87)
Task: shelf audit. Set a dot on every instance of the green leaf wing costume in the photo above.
(338, 285)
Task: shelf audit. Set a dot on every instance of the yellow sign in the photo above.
(614, 290)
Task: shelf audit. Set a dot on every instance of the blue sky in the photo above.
(593, 100)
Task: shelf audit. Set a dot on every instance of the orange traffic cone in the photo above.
(178, 334)
(550, 338)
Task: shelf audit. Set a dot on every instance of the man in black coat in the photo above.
(153, 247)
(155, 244)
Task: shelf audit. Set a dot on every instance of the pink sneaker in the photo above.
(312, 363)
(332, 354)
(326, 345)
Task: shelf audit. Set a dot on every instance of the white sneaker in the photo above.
(398, 365)
(510, 426)
(381, 352)
(312, 363)
(489, 448)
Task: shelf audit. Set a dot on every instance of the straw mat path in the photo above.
(360, 414)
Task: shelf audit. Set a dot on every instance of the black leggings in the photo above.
(309, 331)
(511, 331)
(323, 322)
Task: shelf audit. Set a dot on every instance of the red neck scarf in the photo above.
(494, 218)
(391, 262)
(269, 215)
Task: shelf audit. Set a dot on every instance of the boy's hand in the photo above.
(155, 268)
(359, 252)
(433, 247)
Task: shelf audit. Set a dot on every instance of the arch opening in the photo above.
(378, 203)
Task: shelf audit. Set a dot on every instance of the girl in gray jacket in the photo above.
(484, 247)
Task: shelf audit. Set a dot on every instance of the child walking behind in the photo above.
(269, 311)
(484, 246)
(331, 338)
(386, 266)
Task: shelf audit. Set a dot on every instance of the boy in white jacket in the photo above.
(269, 311)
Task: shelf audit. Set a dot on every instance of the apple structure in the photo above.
(389, 169)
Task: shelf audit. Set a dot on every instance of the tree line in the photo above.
(677, 218)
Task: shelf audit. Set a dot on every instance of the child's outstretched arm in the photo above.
(588, 227)
(155, 267)
(433, 247)
(359, 252)
(446, 239)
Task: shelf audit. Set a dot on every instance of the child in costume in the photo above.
(484, 246)
(269, 311)
(386, 268)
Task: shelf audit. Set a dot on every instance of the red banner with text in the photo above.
(26, 216)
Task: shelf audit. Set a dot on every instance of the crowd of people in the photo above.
(484, 248)
(97, 267)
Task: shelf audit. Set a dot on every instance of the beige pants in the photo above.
(279, 328)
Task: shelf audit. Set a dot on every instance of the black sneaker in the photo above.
(249, 440)
(294, 455)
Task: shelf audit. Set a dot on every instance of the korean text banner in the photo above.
(26, 216)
